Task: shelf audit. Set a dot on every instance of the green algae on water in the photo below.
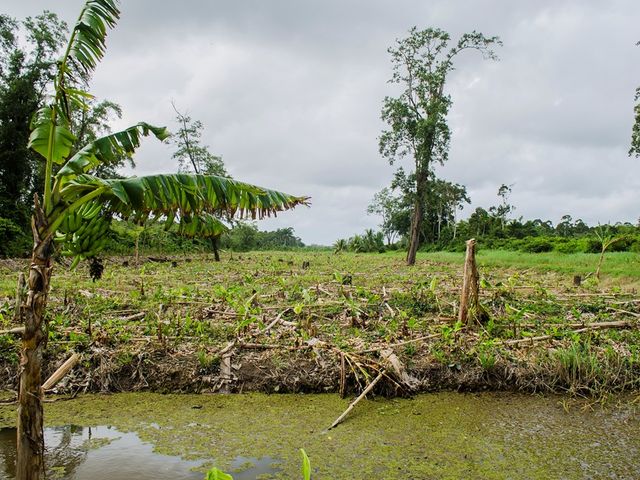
(444, 435)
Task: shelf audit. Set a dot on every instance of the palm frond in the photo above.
(194, 199)
(88, 45)
(178, 195)
(183, 194)
(106, 150)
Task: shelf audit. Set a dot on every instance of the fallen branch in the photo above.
(268, 346)
(135, 316)
(277, 319)
(229, 346)
(626, 312)
(408, 382)
(586, 328)
(61, 372)
(13, 331)
(355, 402)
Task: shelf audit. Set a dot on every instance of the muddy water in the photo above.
(485, 436)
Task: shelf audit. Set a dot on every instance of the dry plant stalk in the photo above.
(61, 372)
(469, 303)
(355, 402)
(20, 291)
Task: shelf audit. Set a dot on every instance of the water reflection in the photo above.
(98, 453)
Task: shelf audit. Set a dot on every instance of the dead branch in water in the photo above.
(355, 402)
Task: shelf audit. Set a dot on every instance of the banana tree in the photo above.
(77, 206)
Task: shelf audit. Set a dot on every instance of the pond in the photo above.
(444, 435)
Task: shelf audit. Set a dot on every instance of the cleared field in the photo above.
(269, 321)
(617, 265)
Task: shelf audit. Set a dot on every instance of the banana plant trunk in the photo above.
(30, 441)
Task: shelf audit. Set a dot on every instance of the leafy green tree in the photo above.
(441, 203)
(389, 207)
(27, 60)
(77, 205)
(278, 239)
(505, 208)
(565, 226)
(446, 199)
(480, 223)
(417, 117)
(192, 156)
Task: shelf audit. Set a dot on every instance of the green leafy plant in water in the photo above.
(306, 465)
(217, 474)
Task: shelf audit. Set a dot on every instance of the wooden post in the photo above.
(469, 304)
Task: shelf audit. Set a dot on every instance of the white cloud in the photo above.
(290, 94)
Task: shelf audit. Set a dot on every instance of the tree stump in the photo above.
(470, 309)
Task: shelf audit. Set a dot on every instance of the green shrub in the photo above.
(14, 242)
(537, 245)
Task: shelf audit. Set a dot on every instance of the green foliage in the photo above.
(216, 474)
(306, 465)
(416, 118)
(13, 241)
(370, 241)
(192, 156)
(28, 51)
(537, 245)
(578, 366)
(244, 237)
(76, 184)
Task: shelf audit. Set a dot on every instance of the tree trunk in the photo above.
(30, 441)
(469, 301)
(216, 250)
(416, 220)
(455, 223)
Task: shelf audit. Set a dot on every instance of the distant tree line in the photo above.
(155, 238)
(493, 227)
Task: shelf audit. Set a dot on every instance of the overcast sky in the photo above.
(290, 93)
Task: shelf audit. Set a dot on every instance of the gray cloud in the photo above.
(290, 94)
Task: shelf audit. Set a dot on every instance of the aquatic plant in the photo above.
(217, 474)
